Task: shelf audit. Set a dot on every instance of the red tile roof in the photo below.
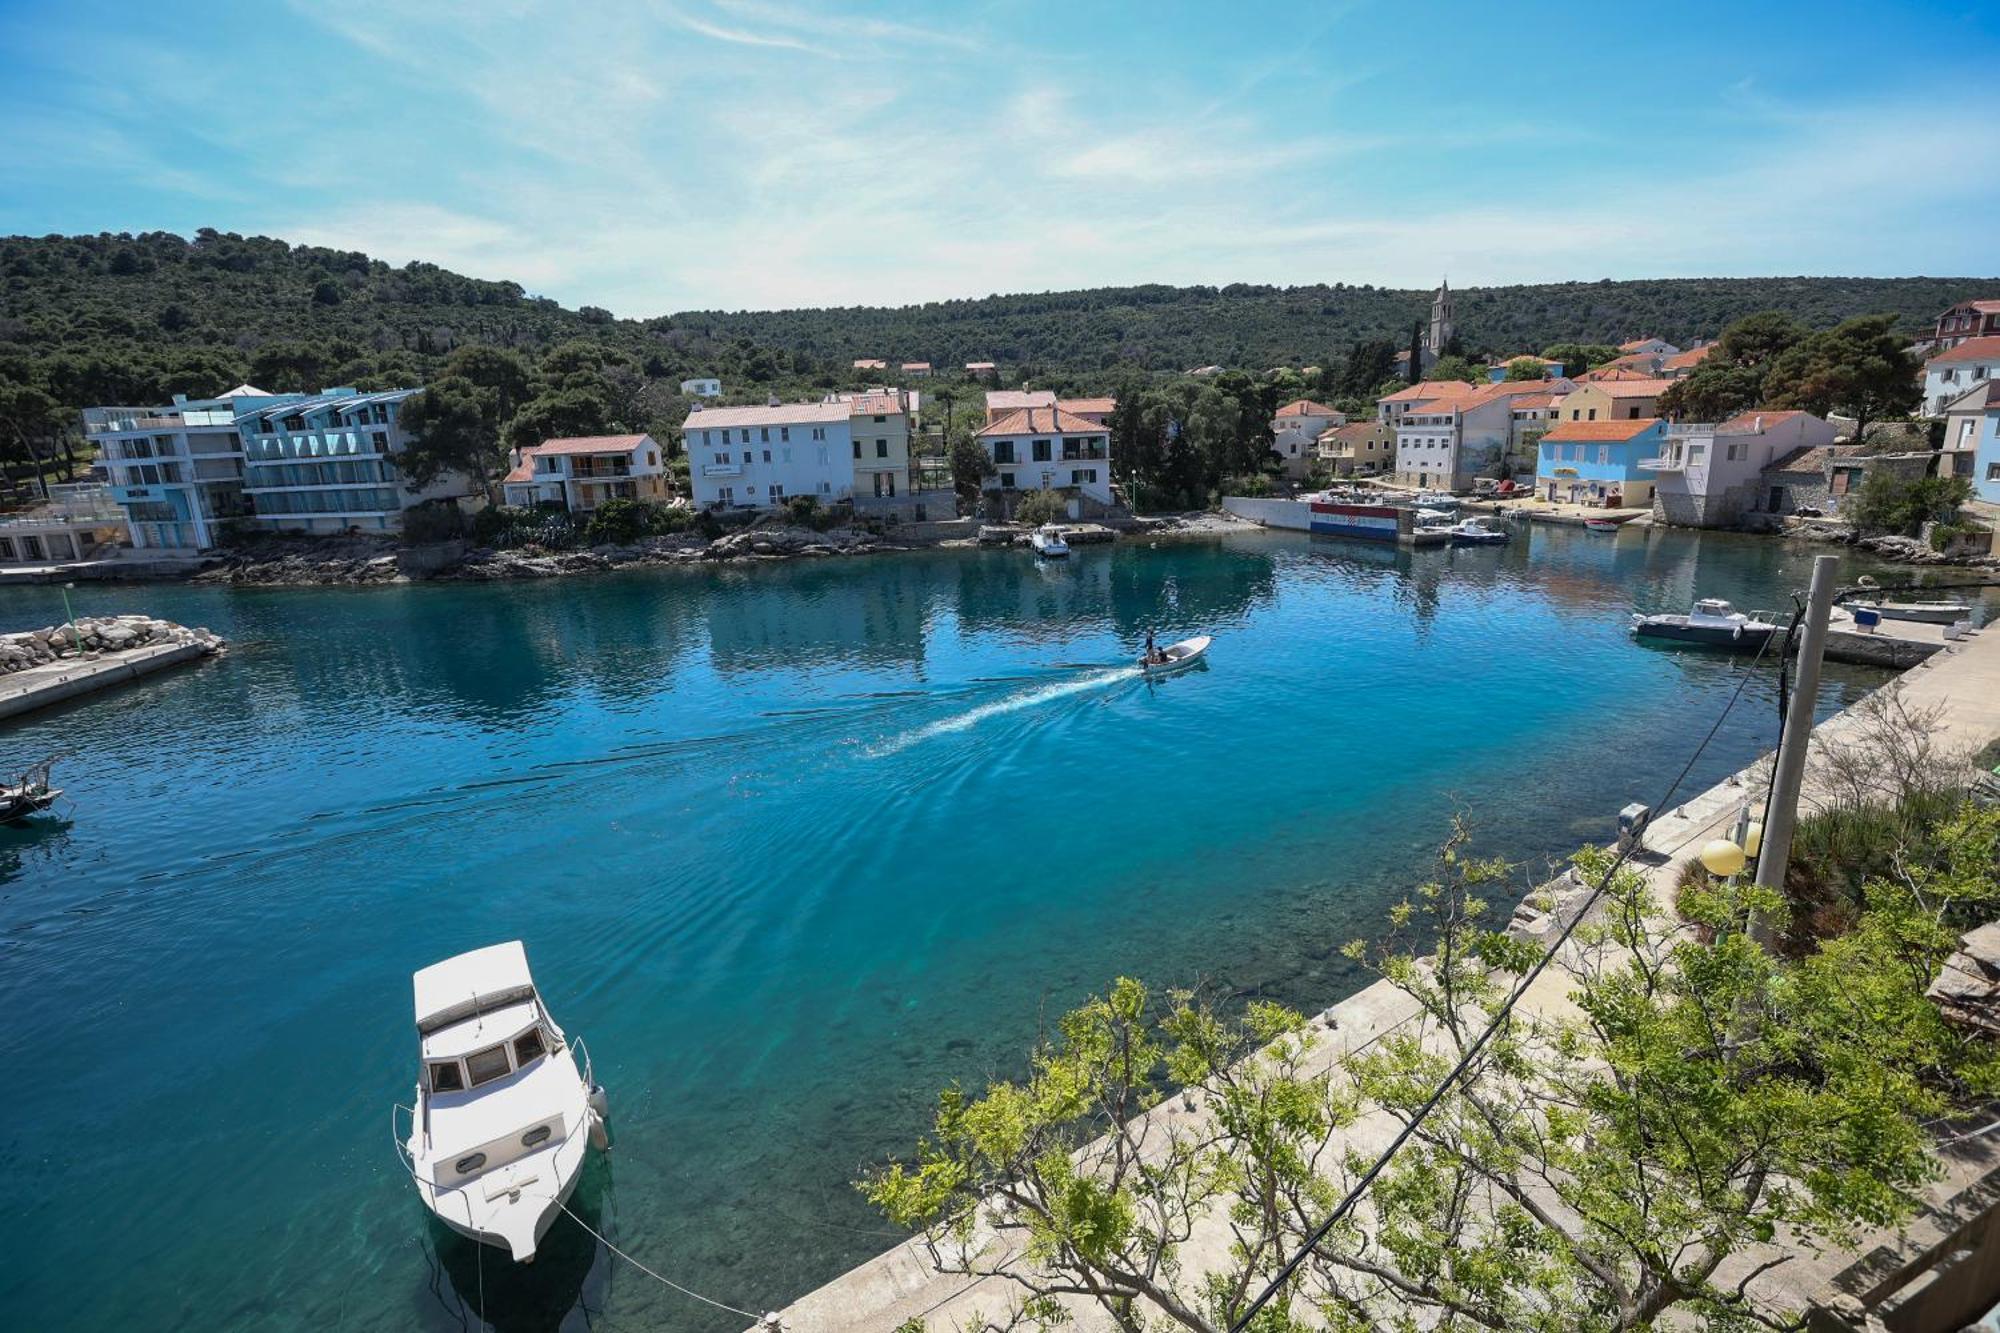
(1692, 357)
(1972, 349)
(870, 363)
(1600, 432)
(1534, 400)
(916, 365)
(1010, 400)
(1042, 421)
(522, 471)
(1306, 407)
(1635, 344)
(1630, 388)
(1354, 431)
(1424, 391)
(870, 404)
(1747, 423)
(589, 444)
(1106, 405)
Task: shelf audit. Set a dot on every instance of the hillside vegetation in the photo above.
(125, 319)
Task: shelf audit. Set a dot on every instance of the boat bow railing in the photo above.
(581, 1054)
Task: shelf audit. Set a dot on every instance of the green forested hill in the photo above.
(133, 319)
(1255, 327)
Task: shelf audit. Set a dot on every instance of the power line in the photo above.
(1500, 1016)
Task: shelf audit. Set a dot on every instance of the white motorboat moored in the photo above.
(1437, 500)
(1474, 532)
(1177, 656)
(1930, 613)
(503, 1111)
(1048, 542)
(1713, 623)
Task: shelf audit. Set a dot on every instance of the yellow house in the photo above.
(1613, 400)
(881, 428)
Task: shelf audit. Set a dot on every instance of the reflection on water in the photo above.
(792, 846)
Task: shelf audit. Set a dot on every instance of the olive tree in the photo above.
(1672, 1100)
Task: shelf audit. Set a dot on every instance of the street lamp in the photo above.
(75, 634)
(1724, 858)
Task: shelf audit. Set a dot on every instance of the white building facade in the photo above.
(1295, 432)
(706, 388)
(1710, 474)
(1949, 374)
(758, 457)
(176, 470)
(1048, 449)
(581, 474)
(326, 463)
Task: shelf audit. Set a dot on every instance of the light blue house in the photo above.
(1972, 431)
(1597, 462)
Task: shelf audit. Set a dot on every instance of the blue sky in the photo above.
(660, 155)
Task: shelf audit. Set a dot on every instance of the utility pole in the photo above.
(1783, 814)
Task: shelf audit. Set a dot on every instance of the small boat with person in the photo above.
(1175, 657)
(1713, 623)
(1049, 542)
(30, 794)
(505, 1106)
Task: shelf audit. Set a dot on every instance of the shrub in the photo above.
(433, 523)
(1039, 507)
(547, 526)
(1887, 503)
(1252, 485)
(619, 523)
(805, 511)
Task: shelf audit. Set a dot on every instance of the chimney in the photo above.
(773, 401)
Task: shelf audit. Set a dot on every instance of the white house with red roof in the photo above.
(760, 457)
(1457, 437)
(1647, 347)
(582, 472)
(1710, 474)
(1048, 449)
(1295, 431)
(1962, 366)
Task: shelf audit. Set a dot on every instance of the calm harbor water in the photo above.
(791, 846)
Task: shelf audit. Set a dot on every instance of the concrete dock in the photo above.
(1962, 680)
(71, 677)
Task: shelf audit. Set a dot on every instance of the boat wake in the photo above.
(972, 717)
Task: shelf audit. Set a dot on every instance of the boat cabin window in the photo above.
(487, 1065)
(445, 1077)
(527, 1047)
(536, 1137)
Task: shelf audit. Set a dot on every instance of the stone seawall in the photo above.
(47, 666)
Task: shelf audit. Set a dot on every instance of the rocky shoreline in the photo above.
(360, 562)
(95, 637)
(1902, 550)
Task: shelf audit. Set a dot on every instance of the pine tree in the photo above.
(1416, 350)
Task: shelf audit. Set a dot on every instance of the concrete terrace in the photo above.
(1964, 682)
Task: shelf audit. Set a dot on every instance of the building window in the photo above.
(1041, 448)
(1007, 481)
(1603, 453)
(767, 452)
(881, 448)
(765, 432)
(784, 432)
(1003, 451)
(857, 448)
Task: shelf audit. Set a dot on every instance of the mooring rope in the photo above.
(766, 1320)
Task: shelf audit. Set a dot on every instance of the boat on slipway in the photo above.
(506, 1104)
(1928, 613)
(1713, 623)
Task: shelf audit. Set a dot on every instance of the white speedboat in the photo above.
(1048, 542)
(505, 1106)
(1474, 532)
(1930, 613)
(1178, 656)
(1433, 517)
(1437, 500)
(1713, 623)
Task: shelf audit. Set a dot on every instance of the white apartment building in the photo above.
(581, 473)
(1710, 474)
(177, 470)
(326, 463)
(1046, 448)
(1958, 368)
(702, 388)
(1456, 437)
(756, 457)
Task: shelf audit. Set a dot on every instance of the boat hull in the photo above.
(515, 1221)
(1196, 652)
(1706, 636)
(1928, 615)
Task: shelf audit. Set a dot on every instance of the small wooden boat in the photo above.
(31, 795)
(1601, 524)
(1048, 542)
(1178, 656)
(1930, 613)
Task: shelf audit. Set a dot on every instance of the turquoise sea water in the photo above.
(791, 846)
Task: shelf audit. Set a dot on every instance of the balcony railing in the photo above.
(1678, 430)
(721, 469)
(1669, 463)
